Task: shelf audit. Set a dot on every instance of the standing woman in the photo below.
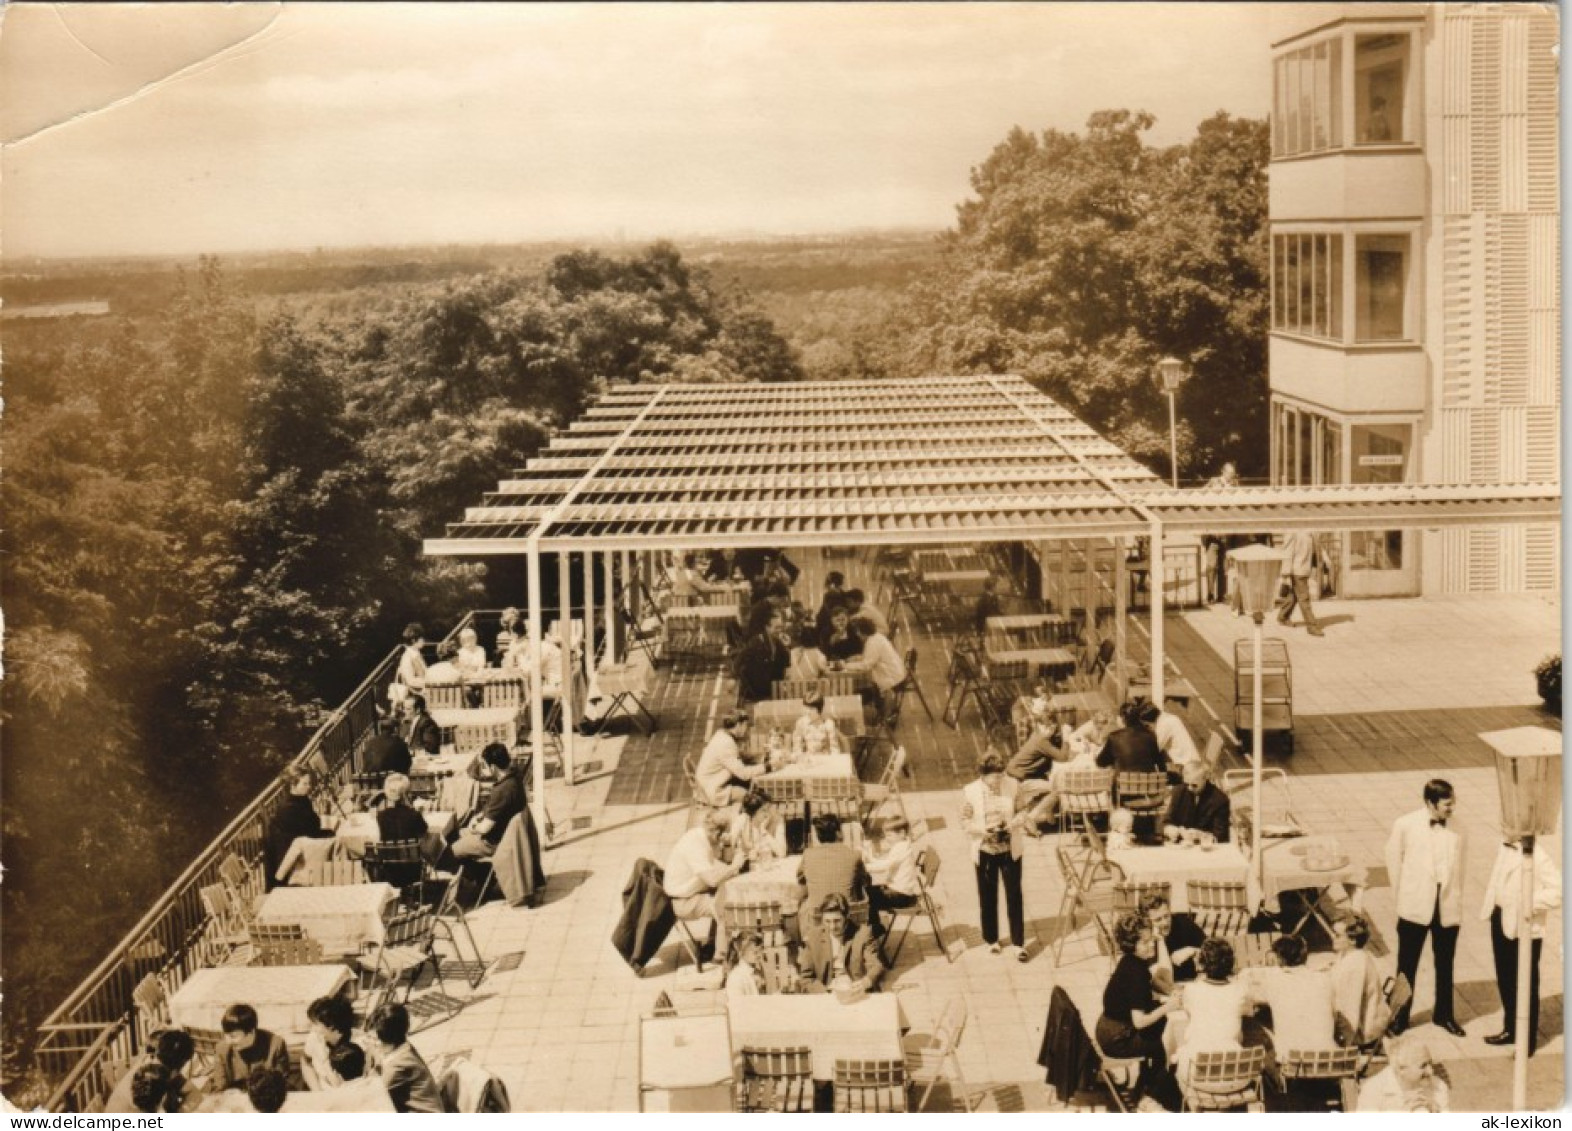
(992, 824)
(411, 665)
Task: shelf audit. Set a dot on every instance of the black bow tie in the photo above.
(1438, 822)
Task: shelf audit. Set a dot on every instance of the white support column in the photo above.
(589, 615)
(537, 711)
(1089, 582)
(609, 588)
(1121, 610)
(1156, 578)
(565, 640)
(1062, 582)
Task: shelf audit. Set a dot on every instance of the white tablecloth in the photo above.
(822, 766)
(869, 1029)
(1176, 866)
(446, 717)
(782, 714)
(279, 994)
(1286, 871)
(341, 918)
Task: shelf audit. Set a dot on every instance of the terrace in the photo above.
(556, 1013)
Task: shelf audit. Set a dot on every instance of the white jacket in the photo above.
(974, 804)
(1505, 889)
(1411, 868)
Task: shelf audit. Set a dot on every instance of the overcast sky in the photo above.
(179, 129)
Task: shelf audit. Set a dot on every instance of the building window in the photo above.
(1380, 288)
(1379, 455)
(1307, 100)
(1380, 80)
(1307, 281)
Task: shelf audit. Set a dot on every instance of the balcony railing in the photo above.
(87, 1043)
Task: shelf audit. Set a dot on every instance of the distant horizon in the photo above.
(206, 128)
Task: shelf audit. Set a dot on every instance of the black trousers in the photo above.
(991, 868)
(1505, 950)
(882, 899)
(1443, 944)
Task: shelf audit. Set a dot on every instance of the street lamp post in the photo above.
(1170, 374)
(1528, 773)
(1258, 569)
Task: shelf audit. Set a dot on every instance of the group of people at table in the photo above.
(252, 1070)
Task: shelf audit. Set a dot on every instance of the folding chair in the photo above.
(938, 1058)
(887, 788)
(764, 917)
(152, 1004)
(1219, 907)
(687, 937)
(231, 925)
(910, 683)
(840, 796)
(1084, 794)
(1129, 894)
(780, 976)
(1088, 886)
(865, 1086)
(450, 914)
(1119, 1074)
(776, 1079)
(283, 944)
(445, 696)
(1339, 1065)
(1223, 1081)
(242, 881)
(409, 942)
(1143, 794)
(1398, 995)
(927, 876)
(395, 862)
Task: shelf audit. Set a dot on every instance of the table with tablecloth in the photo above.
(775, 882)
(624, 687)
(1177, 864)
(782, 715)
(686, 1064)
(869, 1029)
(279, 994)
(341, 917)
(1080, 705)
(457, 792)
(1286, 867)
(449, 717)
(359, 829)
(1048, 663)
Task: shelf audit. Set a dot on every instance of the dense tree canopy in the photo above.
(1081, 259)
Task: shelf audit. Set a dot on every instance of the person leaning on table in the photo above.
(838, 954)
(695, 868)
(245, 1047)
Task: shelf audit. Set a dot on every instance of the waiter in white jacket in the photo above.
(1424, 861)
(1503, 907)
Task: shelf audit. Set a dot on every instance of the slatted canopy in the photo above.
(930, 460)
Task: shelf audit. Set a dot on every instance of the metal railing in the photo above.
(89, 1040)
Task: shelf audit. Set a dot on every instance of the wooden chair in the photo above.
(869, 1086)
(938, 1059)
(776, 1079)
(1083, 795)
(1118, 1074)
(445, 697)
(1088, 887)
(787, 797)
(927, 876)
(1340, 1065)
(426, 786)
(1253, 950)
(780, 976)
(367, 789)
(206, 1047)
(471, 738)
(1219, 907)
(1143, 794)
(1223, 1081)
(395, 862)
(764, 917)
(152, 1003)
(408, 944)
(1128, 894)
(840, 796)
(244, 883)
(504, 691)
(283, 944)
(231, 925)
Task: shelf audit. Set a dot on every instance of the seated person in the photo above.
(1173, 737)
(837, 954)
(332, 1020)
(763, 660)
(409, 1082)
(385, 752)
(1197, 805)
(1216, 1004)
(1300, 999)
(723, 775)
(879, 659)
(695, 868)
(424, 733)
(816, 733)
(1356, 982)
(149, 1086)
(1088, 738)
(480, 837)
(1133, 1019)
(1132, 749)
(521, 658)
(857, 604)
(509, 627)
(830, 867)
(891, 863)
(743, 976)
(170, 1050)
(1032, 764)
(1121, 829)
(757, 833)
(808, 660)
(347, 1060)
(1407, 1084)
(1066, 759)
(398, 819)
(775, 600)
(988, 605)
(834, 598)
(446, 669)
(1178, 941)
(245, 1047)
(724, 566)
(840, 643)
(688, 584)
(471, 658)
(296, 817)
(267, 1089)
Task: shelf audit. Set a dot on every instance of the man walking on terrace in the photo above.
(1298, 559)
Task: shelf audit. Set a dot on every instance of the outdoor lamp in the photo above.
(1528, 775)
(1259, 568)
(1170, 372)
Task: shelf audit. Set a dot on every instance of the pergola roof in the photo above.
(938, 459)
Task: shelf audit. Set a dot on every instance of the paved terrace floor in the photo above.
(1394, 693)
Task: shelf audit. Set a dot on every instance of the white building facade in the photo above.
(1416, 327)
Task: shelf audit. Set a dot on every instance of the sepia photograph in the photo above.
(680, 557)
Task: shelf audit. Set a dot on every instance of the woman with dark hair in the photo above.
(1356, 982)
(991, 817)
(245, 1047)
(838, 954)
(840, 643)
(168, 1052)
(1216, 1002)
(332, 1020)
(296, 817)
(1133, 1020)
(1133, 748)
(807, 658)
(757, 833)
(743, 976)
(411, 663)
(816, 733)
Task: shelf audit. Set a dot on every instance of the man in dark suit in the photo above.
(775, 600)
(1199, 804)
(424, 733)
(837, 953)
(763, 661)
(385, 752)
